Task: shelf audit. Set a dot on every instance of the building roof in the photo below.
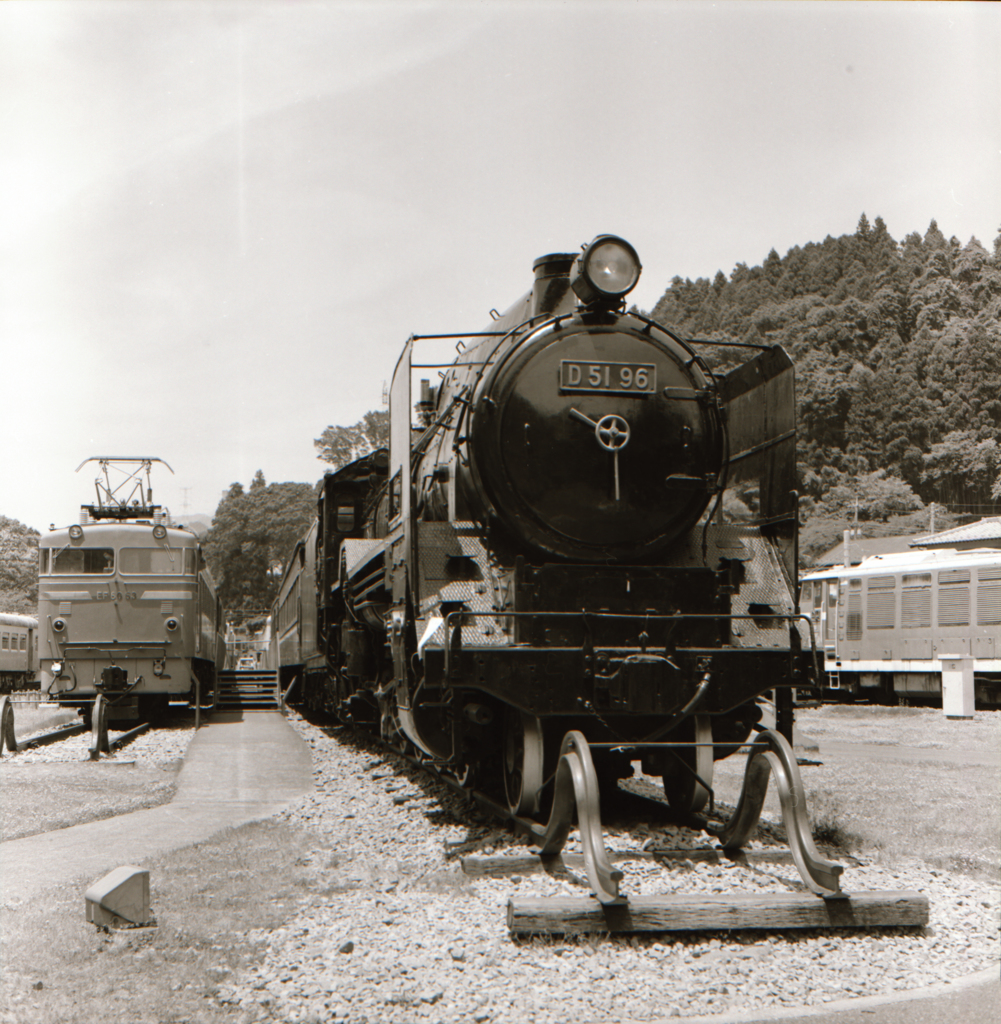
(984, 533)
(862, 547)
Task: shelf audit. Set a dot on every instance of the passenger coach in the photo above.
(887, 623)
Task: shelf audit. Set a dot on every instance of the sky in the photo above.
(221, 220)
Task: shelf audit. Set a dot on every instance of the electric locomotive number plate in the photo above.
(619, 378)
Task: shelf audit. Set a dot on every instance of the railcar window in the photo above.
(24, 641)
(989, 596)
(5, 643)
(954, 597)
(155, 561)
(915, 605)
(85, 561)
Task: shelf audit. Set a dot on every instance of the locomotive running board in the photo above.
(826, 906)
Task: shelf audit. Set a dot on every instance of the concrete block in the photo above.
(120, 899)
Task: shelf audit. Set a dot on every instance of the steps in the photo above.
(247, 690)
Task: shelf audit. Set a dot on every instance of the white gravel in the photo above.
(402, 935)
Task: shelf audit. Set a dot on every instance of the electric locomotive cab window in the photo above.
(82, 561)
(157, 561)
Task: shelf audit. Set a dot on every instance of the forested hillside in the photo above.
(18, 567)
(897, 349)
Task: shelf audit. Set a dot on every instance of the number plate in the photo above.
(619, 378)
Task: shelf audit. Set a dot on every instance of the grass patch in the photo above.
(947, 815)
(828, 822)
(214, 904)
(37, 798)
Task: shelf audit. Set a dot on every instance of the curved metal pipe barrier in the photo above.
(769, 753)
(7, 725)
(576, 785)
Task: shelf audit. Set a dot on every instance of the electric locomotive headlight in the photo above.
(58, 625)
(76, 532)
(171, 625)
(159, 532)
(607, 270)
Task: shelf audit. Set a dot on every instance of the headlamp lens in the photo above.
(612, 267)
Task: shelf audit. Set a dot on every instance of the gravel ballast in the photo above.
(401, 934)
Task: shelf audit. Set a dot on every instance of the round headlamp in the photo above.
(607, 270)
(159, 532)
(171, 625)
(76, 533)
(58, 625)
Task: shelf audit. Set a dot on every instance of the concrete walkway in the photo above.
(239, 767)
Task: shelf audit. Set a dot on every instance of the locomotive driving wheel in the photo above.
(522, 764)
(683, 790)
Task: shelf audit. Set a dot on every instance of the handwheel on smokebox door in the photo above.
(683, 790)
(522, 761)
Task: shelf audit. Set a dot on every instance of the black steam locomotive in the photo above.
(545, 549)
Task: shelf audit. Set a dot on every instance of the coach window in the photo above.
(24, 641)
(5, 645)
(83, 561)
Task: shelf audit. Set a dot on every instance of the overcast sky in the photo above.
(221, 220)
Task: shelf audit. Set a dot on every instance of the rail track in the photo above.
(100, 742)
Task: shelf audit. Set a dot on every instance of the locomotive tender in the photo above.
(127, 609)
(544, 551)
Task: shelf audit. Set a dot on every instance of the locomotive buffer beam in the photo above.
(826, 906)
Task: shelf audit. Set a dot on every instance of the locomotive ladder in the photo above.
(576, 789)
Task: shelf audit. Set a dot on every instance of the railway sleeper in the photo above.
(825, 906)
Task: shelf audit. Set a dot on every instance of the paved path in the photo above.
(239, 767)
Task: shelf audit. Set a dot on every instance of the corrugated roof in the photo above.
(981, 532)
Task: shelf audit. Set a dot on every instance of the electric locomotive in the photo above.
(544, 550)
(127, 609)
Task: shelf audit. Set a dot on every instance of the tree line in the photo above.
(897, 348)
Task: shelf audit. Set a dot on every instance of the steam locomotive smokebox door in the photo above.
(120, 899)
